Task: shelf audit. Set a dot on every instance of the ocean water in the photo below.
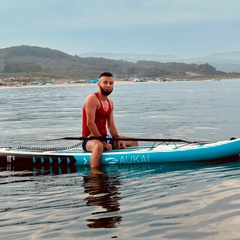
(145, 201)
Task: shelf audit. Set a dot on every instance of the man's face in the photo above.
(106, 85)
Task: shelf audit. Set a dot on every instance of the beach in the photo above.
(70, 83)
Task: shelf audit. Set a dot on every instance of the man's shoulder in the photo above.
(91, 99)
(91, 96)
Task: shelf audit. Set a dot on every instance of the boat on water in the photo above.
(162, 152)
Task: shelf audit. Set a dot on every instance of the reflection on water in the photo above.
(103, 191)
(152, 201)
(25, 170)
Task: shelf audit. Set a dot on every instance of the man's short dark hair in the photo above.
(106, 74)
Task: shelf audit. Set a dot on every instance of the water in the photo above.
(149, 201)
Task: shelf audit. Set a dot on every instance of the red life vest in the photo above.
(101, 117)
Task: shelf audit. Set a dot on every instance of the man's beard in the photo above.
(104, 92)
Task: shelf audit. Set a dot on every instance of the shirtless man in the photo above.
(98, 121)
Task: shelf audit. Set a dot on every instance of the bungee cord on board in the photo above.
(44, 149)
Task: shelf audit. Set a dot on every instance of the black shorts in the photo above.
(110, 141)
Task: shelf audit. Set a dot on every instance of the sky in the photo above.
(183, 28)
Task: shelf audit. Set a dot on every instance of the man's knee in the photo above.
(94, 146)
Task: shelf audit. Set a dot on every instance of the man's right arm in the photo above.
(90, 106)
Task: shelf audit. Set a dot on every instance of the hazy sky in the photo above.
(185, 28)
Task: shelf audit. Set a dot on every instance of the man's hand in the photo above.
(121, 144)
(107, 146)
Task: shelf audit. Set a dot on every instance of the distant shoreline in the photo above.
(64, 83)
(61, 84)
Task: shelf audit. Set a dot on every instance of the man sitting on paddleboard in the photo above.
(97, 116)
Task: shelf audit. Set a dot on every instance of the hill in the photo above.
(227, 62)
(47, 62)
